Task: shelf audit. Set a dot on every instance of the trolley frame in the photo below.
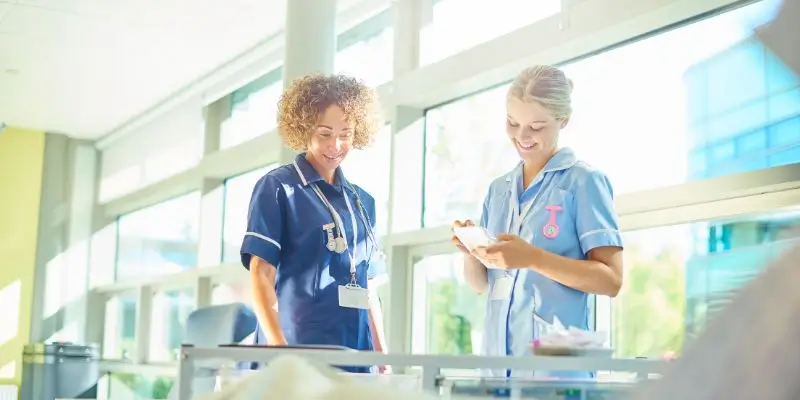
(431, 365)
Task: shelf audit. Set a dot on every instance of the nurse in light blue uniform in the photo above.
(311, 245)
(559, 240)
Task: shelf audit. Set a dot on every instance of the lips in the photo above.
(335, 158)
(525, 145)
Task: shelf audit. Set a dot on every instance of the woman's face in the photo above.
(532, 129)
(331, 140)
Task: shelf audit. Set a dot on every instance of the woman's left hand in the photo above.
(509, 252)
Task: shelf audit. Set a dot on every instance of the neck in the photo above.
(529, 171)
(532, 168)
(327, 174)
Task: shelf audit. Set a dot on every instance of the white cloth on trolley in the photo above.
(293, 377)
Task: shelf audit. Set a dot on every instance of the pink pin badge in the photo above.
(551, 229)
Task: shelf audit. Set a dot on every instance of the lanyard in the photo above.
(337, 220)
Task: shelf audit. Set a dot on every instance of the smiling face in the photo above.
(330, 142)
(533, 129)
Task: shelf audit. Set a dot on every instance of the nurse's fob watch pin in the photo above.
(551, 229)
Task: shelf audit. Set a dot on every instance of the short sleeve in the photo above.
(484, 222)
(264, 222)
(595, 218)
(376, 269)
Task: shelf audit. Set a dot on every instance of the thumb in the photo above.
(505, 237)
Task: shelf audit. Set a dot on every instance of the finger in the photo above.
(458, 224)
(468, 223)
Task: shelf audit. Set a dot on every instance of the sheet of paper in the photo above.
(473, 237)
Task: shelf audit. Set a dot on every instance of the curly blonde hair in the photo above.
(305, 100)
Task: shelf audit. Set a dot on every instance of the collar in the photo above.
(563, 159)
(309, 175)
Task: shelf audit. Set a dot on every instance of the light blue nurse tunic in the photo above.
(567, 210)
(286, 227)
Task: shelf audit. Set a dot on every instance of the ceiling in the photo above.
(85, 67)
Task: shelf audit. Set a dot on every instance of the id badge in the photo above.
(502, 288)
(351, 296)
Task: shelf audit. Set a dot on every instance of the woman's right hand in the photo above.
(455, 240)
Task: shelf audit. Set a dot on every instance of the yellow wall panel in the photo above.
(21, 168)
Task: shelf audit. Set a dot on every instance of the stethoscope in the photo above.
(337, 243)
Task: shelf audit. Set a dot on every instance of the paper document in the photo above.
(473, 237)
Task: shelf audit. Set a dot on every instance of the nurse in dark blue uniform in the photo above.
(311, 245)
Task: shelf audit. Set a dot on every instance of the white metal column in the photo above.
(310, 44)
(406, 130)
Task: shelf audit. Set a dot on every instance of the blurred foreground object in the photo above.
(292, 377)
(750, 349)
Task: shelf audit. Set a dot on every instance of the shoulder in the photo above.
(278, 179)
(583, 175)
(502, 183)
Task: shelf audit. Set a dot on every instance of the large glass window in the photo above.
(678, 276)
(447, 316)
(369, 169)
(371, 40)
(465, 148)
(254, 110)
(167, 328)
(458, 25)
(160, 239)
(238, 191)
(721, 106)
(120, 327)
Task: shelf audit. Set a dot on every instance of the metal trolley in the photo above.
(430, 371)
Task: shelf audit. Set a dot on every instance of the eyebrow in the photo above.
(331, 128)
(532, 122)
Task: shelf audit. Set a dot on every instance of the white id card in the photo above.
(502, 288)
(353, 297)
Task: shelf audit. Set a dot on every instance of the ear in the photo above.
(564, 123)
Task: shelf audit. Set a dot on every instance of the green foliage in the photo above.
(648, 316)
(145, 387)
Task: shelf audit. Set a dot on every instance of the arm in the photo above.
(261, 252)
(600, 274)
(598, 231)
(376, 320)
(376, 275)
(475, 273)
(262, 281)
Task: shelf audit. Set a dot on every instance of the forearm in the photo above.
(585, 275)
(376, 323)
(262, 280)
(475, 274)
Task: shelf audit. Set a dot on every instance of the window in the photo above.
(720, 106)
(160, 239)
(369, 169)
(678, 276)
(254, 110)
(458, 25)
(447, 316)
(371, 40)
(466, 147)
(120, 327)
(163, 147)
(238, 191)
(168, 323)
(126, 386)
(623, 104)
